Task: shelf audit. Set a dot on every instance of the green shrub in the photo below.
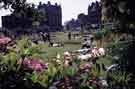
(71, 71)
(106, 32)
(98, 35)
(119, 78)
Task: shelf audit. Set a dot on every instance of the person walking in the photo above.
(48, 37)
(44, 37)
(93, 43)
(69, 36)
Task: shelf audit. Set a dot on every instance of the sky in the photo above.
(70, 8)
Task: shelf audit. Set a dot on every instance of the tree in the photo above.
(12, 4)
(82, 20)
(21, 9)
(121, 11)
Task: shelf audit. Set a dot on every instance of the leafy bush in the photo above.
(119, 78)
(78, 75)
(98, 35)
(122, 54)
(102, 33)
(106, 32)
(71, 71)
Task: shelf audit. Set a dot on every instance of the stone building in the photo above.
(92, 20)
(72, 25)
(11, 21)
(53, 20)
(94, 14)
(53, 15)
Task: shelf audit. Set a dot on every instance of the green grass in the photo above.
(52, 51)
(69, 45)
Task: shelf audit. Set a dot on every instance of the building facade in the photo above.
(11, 21)
(53, 22)
(94, 14)
(53, 15)
(92, 20)
(72, 25)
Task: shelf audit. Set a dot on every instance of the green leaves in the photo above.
(34, 77)
(13, 3)
(120, 77)
(10, 60)
(51, 71)
(98, 35)
(102, 33)
(106, 32)
(71, 71)
(25, 48)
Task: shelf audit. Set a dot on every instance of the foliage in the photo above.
(103, 33)
(120, 51)
(56, 74)
(98, 35)
(120, 11)
(122, 54)
(22, 9)
(84, 78)
(106, 32)
(25, 48)
(71, 71)
(12, 3)
(119, 78)
(96, 72)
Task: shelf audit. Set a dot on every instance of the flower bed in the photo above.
(66, 71)
(34, 64)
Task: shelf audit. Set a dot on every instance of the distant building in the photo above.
(73, 25)
(94, 15)
(53, 20)
(90, 21)
(11, 21)
(53, 15)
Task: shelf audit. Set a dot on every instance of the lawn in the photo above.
(52, 51)
(69, 45)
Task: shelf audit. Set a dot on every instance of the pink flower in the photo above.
(37, 67)
(4, 40)
(87, 66)
(35, 64)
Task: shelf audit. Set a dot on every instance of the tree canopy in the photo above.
(121, 11)
(12, 3)
(22, 9)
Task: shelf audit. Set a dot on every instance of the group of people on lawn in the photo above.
(87, 43)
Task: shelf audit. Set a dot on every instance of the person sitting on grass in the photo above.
(57, 44)
(50, 44)
(86, 44)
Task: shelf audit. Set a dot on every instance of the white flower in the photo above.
(104, 83)
(58, 56)
(67, 53)
(58, 61)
